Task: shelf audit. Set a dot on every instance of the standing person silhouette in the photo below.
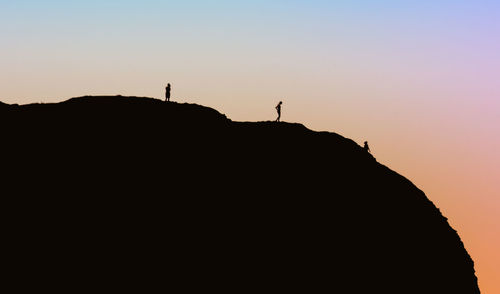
(366, 147)
(278, 109)
(167, 93)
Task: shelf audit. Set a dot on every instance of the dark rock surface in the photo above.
(103, 188)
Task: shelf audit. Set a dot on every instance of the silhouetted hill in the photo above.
(135, 192)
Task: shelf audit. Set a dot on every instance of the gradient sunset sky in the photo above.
(419, 80)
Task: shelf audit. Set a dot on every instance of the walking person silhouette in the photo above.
(278, 109)
(167, 93)
(367, 148)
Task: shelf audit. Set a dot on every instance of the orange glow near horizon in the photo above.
(424, 94)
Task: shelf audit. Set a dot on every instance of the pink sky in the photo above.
(419, 81)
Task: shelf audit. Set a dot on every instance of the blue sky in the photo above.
(411, 77)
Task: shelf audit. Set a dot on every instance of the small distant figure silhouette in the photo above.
(366, 147)
(167, 93)
(278, 109)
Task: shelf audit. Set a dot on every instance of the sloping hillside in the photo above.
(178, 193)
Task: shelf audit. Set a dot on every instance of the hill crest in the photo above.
(262, 204)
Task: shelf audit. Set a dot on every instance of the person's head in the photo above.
(168, 85)
(366, 142)
(281, 102)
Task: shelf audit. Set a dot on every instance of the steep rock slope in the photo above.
(180, 193)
